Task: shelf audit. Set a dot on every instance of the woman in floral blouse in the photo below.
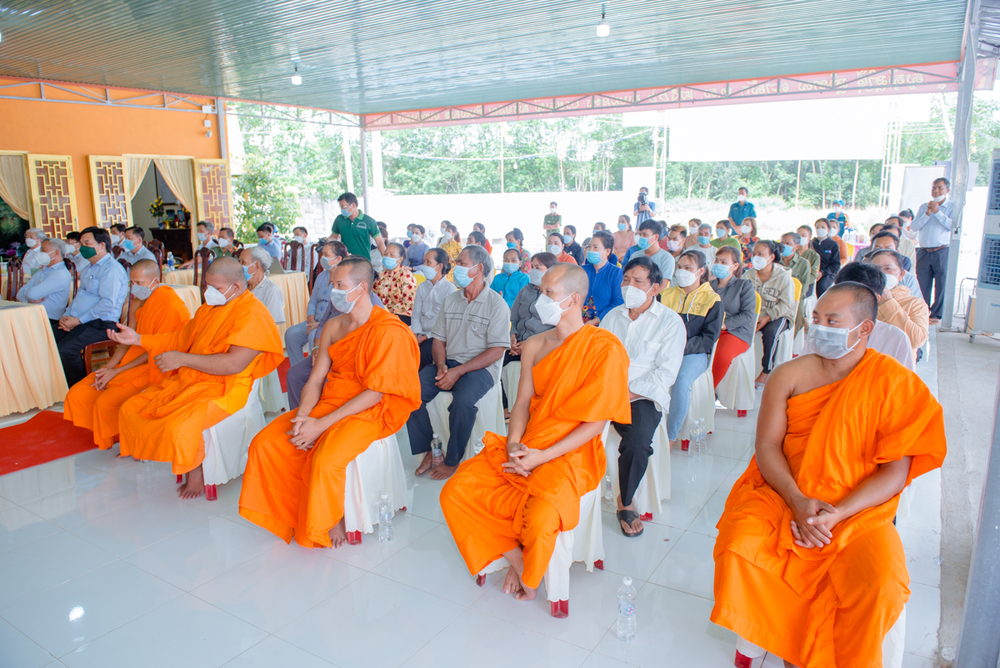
(396, 286)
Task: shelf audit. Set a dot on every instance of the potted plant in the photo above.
(157, 210)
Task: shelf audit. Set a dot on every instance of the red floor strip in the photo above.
(43, 438)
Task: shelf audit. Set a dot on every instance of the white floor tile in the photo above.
(728, 443)
(596, 660)
(636, 557)
(593, 607)
(274, 588)
(693, 481)
(18, 526)
(704, 523)
(923, 552)
(423, 498)
(272, 652)
(406, 528)
(17, 651)
(85, 502)
(689, 567)
(40, 565)
(433, 564)
(184, 631)
(916, 661)
(86, 607)
(923, 617)
(726, 419)
(6, 504)
(44, 480)
(203, 552)
(475, 639)
(351, 628)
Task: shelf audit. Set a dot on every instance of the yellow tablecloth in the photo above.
(295, 287)
(179, 277)
(31, 374)
(190, 295)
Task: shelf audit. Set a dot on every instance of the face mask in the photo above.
(461, 276)
(325, 262)
(891, 282)
(741, 198)
(416, 238)
(593, 257)
(128, 244)
(830, 342)
(940, 199)
(88, 252)
(143, 291)
(390, 263)
(552, 209)
(567, 239)
(215, 298)
(345, 213)
(634, 297)
(300, 239)
(555, 249)
(673, 246)
(549, 310)
(339, 301)
(535, 277)
(720, 233)
(704, 240)
(409, 234)
(43, 259)
(642, 242)
(684, 278)
(511, 244)
(622, 227)
(745, 229)
(786, 250)
(758, 262)
(31, 242)
(720, 271)
(509, 267)
(428, 272)
(115, 239)
(202, 236)
(247, 273)
(224, 243)
(821, 233)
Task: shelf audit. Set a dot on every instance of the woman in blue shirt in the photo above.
(510, 281)
(605, 279)
(417, 249)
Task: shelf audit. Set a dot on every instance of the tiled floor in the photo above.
(101, 565)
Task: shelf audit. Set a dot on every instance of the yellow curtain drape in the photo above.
(14, 184)
(179, 175)
(136, 172)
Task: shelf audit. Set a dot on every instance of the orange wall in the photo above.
(81, 130)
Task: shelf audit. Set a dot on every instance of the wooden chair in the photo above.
(202, 258)
(15, 278)
(317, 267)
(283, 254)
(99, 353)
(125, 263)
(159, 252)
(116, 251)
(74, 273)
(297, 257)
(237, 248)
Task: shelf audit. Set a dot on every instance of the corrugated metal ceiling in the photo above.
(372, 56)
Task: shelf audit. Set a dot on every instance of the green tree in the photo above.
(263, 195)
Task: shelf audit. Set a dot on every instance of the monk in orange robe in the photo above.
(362, 388)
(231, 342)
(519, 492)
(93, 403)
(808, 564)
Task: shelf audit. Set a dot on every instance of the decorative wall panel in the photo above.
(52, 193)
(215, 202)
(109, 187)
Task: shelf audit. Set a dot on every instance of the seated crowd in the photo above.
(391, 325)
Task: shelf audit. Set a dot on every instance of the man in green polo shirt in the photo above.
(357, 230)
(552, 221)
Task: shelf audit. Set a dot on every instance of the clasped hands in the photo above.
(305, 431)
(522, 460)
(446, 378)
(813, 521)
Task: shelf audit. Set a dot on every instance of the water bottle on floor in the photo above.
(437, 454)
(609, 494)
(384, 519)
(626, 611)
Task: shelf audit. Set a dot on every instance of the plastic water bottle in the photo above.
(437, 454)
(609, 495)
(385, 520)
(626, 611)
(698, 437)
(170, 261)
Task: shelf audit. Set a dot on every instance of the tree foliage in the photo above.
(264, 195)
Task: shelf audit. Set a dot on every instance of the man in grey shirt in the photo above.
(470, 337)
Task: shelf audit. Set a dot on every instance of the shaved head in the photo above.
(144, 270)
(570, 279)
(225, 270)
(859, 298)
(359, 270)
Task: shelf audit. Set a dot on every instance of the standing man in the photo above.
(134, 245)
(552, 221)
(933, 226)
(644, 208)
(740, 210)
(839, 217)
(356, 229)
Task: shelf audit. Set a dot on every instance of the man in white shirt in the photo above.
(933, 226)
(117, 232)
(654, 337)
(256, 266)
(50, 285)
(135, 246)
(32, 260)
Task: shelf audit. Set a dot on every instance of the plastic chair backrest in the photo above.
(798, 289)
(756, 308)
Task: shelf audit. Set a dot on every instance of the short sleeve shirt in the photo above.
(470, 328)
(356, 234)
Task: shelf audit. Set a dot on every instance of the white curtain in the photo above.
(14, 184)
(179, 175)
(136, 171)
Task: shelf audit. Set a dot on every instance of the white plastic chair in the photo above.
(228, 442)
(488, 418)
(376, 471)
(702, 402)
(272, 398)
(736, 389)
(783, 349)
(510, 376)
(655, 484)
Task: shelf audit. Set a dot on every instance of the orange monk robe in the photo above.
(97, 410)
(490, 511)
(829, 606)
(300, 493)
(165, 423)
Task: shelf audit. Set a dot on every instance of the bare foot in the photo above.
(512, 583)
(338, 534)
(516, 559)
(194, 486)
(425, 465)
(443, 472)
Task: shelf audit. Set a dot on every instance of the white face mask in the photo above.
(741, 198)
(215, 298)
(44, 259)
(201, 236)
(821, 233)
(555, 249)
(891, 282)
(757, 261)
(535, 277)
(549, 310)
(634, 297)
(339, 300)
(301, 239)
(31, 242)
(144, 291)
(416, 238)
(684, 278)
(830, 342)
(940, 199)
(745, 229)
(223, 242)
(673, 246)
(552, 209)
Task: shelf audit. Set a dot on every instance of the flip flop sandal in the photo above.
(628, 516)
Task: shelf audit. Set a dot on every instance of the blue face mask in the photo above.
(622, 227)
(704, 240)
(720, 271)
(511, 244)
(246, 273)
(409, 234)
(593, 257)
(720, 233)
(461, 276)
(389, 263)
(345, 213)
(642, 242)
(786, 250)
(128, 244)
(567, 239)
(428, 272)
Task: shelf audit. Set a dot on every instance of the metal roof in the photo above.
(376, 56)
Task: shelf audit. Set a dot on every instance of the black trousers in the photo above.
(72, 343)
(636, 446)
(426, 354)
(932, 268)
(407, 320)
(823, 284)
(769, 337)
(507, 359)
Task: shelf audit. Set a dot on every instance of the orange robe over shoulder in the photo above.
(97, 410)
(165, 422)
(300, 494)
(832, 606)
(490, 511)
